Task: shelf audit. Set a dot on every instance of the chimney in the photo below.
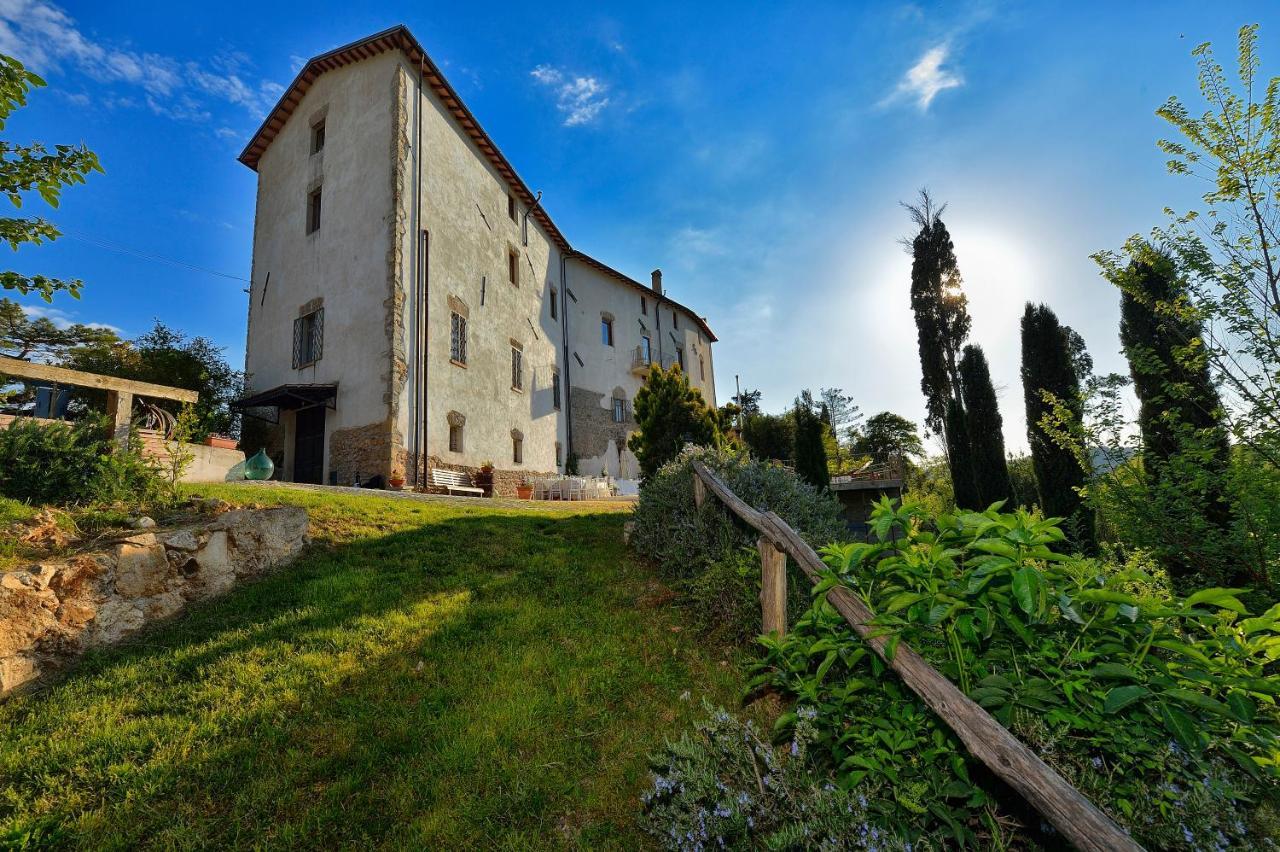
(657, 281)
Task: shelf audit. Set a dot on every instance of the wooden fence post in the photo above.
(773, 586)
(699, 491)
(120, 409)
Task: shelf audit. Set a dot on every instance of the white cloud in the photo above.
(924, 80)
(579, 98)
(46, 38)
(61, 319)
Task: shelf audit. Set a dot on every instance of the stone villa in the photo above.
(412, 302)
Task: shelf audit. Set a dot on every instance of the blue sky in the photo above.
(756, 152)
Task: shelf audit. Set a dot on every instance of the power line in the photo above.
(156, 258)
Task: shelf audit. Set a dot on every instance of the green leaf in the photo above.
(1114, 671)
(1219, 597)
(1026, 589)
(902, 600)
(1241, 707)
(1182, 726)
(1197, 699)
(1121, 697)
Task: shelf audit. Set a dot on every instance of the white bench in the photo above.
(454, 481)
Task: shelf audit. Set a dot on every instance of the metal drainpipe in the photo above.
(564, 343)
(419, 394)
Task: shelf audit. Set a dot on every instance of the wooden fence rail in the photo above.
(1062, 805)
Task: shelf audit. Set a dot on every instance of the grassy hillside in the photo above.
(430, 674)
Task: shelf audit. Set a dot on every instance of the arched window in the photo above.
(517, 446)
(456, 423)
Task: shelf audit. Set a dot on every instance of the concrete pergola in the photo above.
(120, 392)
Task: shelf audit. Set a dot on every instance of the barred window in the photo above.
(517, 368)
(308, 338)
(457, 338)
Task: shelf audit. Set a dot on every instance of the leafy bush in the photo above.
(684, 541)
(726, 787)
(60, 464)
(1162, 709)
(724, 600)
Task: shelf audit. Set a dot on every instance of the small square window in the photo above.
(313, 211)
(513, 267)
(317, 137)
(511, 207)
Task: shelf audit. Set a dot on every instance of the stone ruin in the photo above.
(55, 610)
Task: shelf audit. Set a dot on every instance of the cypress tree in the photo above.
(1053, 358)
(982, 416)
(942, 324)
(810, 454)
(940, 308)
(960, 459)
(1184, 444)
(669, 414)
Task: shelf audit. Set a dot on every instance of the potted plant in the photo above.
(483, 478)
(220, 441)
(524, 490)
(396, 480)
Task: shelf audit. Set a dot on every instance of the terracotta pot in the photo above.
(219, 441)
(524, 492)
(396, 482)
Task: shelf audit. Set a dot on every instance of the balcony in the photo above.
(640, 361)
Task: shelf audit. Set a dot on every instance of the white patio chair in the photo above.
(555, 489)
(577, 488)
(540, 489)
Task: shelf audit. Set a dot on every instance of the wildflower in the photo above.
(1096, 761)
(1187, 835)
(795, 748)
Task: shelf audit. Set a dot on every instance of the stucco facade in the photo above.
(421, 222)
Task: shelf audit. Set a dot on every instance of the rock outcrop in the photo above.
(53, 611)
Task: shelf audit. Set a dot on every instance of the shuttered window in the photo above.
(308, 338)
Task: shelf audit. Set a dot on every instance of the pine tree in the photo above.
(669, 414)
(810, 454)
(982, 416)
(1054, 361)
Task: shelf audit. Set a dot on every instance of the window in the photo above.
(517, 448)
(511, 207)
(553, 304)
(702, 368)
(317, 137)
(644, 306)
(606, 331)
(646, 348)
(455, 438)
(308, 338)
(457, 338)
(559, 454)
(555, 388)
(513, 267)
(313, 211)
(619, 410)
(517, 368)
(680, 357)
(675, 320)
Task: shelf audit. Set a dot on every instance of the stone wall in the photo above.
(53, 611)
(597, 439)
(364, 450)
(504, 481)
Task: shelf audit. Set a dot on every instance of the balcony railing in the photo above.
(640, 360)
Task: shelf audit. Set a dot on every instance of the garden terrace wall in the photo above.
(56, 610)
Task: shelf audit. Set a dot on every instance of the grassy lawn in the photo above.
(428, 674)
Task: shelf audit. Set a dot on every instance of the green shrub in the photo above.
(724, 600)
(65, 463)
(1162, 709)
(724, 786)
(684, 541)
